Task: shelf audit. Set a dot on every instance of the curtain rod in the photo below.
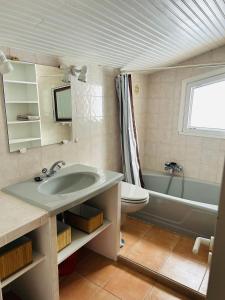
(210, 65)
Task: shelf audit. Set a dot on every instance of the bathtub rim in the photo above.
(194, 204)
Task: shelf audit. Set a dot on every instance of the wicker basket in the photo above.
(84, 217)
(14, 256)
(63, 235)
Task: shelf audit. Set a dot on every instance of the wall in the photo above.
(202, 158)
(140, 101)
(96, 127)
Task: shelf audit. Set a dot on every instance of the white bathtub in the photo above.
(194, 215)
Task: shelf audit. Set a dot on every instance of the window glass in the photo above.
(207, 109)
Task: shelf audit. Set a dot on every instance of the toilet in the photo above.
(133, 198)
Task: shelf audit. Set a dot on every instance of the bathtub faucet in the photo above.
(173, 167)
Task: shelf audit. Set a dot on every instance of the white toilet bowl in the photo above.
(133, 198)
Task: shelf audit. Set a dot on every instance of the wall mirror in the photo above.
(38, 106)
(62, 104)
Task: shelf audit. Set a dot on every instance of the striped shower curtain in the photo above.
(129, 144)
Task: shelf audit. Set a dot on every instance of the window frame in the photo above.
(188, 85)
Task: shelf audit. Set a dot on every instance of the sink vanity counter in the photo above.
(59, 192)
(17, 218)
(37, 219)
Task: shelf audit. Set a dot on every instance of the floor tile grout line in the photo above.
(93, 282)
(170, 255)
(112, 293)
(203, 278)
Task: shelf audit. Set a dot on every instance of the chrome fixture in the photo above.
(173, 167)
(82, 73)
(5, 64)
(48, 173)
(58, 164)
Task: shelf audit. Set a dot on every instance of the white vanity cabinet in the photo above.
(106, 239)
(33, 281)
(40, 280)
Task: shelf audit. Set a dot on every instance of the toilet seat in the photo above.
(133, 194)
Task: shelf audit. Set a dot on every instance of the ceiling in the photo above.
(129, 34)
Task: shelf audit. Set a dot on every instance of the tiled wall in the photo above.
(140, 100)
(202, 158)
(96, 127)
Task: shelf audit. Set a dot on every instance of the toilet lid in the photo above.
(133, 192)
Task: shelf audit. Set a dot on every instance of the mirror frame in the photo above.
(55, 104)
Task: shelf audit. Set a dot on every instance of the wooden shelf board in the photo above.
(20, 82)
(37, 259)
(79, 239)
(22, 122)
(22, 140)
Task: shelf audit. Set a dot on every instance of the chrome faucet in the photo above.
(58, 164)
(48, 173)
(173, 167)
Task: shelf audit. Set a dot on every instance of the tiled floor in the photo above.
(98, 278)
(166, 252)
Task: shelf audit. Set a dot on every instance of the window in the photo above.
(203, 105)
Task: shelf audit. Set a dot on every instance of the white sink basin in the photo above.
(70, 186)
(68, 183)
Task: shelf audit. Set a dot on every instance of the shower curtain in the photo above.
(129, 144)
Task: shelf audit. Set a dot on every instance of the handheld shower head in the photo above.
(5, 64)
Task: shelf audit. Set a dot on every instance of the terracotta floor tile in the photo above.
(129, 285)
(132, 232)
(184, 271)
(149, 254)
(204, 284)
(104, 295)
(160, 292)
(137, 225)
(163, 237)
(166, 252)
(77, 287)
(97, 269)
(130, 240)
(184, 249)
(125, 284)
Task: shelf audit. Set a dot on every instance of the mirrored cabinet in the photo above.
(30, 106)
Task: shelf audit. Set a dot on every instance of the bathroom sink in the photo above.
(68, 183)
(69, 186)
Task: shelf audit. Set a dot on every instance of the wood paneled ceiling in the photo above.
(129, 34)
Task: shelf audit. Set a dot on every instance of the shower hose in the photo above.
(182, 184)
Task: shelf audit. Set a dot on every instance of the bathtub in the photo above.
(195, 214)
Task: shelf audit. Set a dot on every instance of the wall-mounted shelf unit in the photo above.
(21, 102)
(19, 82)
(22, 72)
(21, 97)
(24, 140)
(22, 122)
